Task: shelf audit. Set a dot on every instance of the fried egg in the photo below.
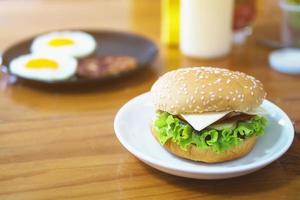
(73, 43)
(43, 67)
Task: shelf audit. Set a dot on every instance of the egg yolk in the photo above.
(57, 42)
(42, 63)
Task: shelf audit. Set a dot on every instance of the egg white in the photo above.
(66, 67)
(84, 44)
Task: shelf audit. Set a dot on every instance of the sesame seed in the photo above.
(218, 80)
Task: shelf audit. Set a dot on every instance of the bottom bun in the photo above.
(208, 155)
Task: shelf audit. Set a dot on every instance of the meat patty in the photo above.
(234, 117)
(102, 66)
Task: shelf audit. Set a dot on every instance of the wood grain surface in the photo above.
(60, 144)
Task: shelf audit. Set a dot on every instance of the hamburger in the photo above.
(208, 114)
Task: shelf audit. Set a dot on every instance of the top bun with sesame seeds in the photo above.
(206, 89)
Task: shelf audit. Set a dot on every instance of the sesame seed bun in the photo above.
(208, 155)
(206, 89)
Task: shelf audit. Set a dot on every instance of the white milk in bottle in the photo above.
(206, 27)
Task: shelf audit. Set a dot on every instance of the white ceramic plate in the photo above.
(132, 127)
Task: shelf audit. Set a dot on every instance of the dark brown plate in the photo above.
(108, 43)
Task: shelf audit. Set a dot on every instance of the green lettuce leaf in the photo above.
(218, 137)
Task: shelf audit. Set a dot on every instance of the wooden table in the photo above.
(61, 145)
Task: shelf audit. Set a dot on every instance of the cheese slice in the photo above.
(201, 121)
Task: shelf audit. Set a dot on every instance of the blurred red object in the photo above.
(244, 13)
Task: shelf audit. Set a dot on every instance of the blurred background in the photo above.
(21, 18)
